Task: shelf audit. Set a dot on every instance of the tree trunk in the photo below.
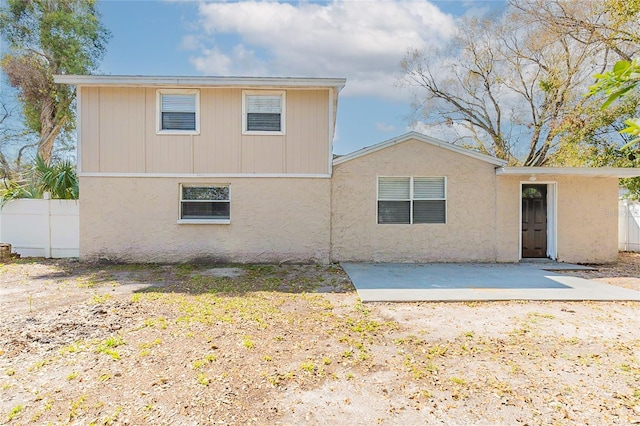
(49, 131)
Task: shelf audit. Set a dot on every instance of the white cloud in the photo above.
(385, 127)
(214, 61)
(362, 41)
(191, 42)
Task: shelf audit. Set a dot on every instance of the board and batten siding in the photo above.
(118, 135)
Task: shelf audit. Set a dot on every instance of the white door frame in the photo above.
(552, 217)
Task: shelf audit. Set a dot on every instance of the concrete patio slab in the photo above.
(384, 282)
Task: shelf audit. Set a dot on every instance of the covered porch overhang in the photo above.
(611, 172)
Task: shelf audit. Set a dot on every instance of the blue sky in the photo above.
(362, 41)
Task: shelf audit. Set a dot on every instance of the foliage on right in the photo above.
(513, 85)
(620, 84)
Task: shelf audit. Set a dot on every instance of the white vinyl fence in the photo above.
(629, 226)
(50, 228)
(41, 228)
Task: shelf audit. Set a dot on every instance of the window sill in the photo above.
(178, 132)
(204, 221)
(412, 224)
(262, 133)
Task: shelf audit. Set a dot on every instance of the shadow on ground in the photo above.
(189, 278)
(239, 279)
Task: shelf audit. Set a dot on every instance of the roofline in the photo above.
(619, 172)
(422, 138)
(197, 81)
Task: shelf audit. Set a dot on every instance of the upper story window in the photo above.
(178, 111)
(412, 200)
(263, 112)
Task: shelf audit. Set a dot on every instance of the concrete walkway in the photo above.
(385, 282)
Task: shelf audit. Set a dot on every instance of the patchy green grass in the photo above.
(308, 367)
(76, 347)
(247, 347)
(109, 345)
(248, 343)
(196, 279)
(15, 411)
(98, 299)
(41, 363)
(208, 359)
(111, 418)
(202, 379)
(76, 406)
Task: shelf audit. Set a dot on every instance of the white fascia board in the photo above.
(619, 172)
(199, 81)
(204, 175)
(422, 138)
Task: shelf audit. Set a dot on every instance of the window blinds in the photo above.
(178, 111)
(264, 113)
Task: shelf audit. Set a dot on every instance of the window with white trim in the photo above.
(263, 112)
(205, 204)
(410, 200)
(178, 111)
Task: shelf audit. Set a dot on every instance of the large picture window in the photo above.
(410, 200)
(178, 111)
(205, 204)
(263, 112)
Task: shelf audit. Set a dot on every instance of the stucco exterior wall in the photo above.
(118, 135)
(587, 218)
(272, 220)
(468, 235)
(508, 205)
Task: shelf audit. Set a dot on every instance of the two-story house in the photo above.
(176, 168)
(241, 170)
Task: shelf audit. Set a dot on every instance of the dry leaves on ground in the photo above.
(292, 344)
(625, 273)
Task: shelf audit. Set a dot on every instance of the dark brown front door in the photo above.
(534, 220)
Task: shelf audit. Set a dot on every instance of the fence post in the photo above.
(623, 226)
(47, 217)
(3, 246)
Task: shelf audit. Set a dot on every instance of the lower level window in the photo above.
(407, 200)
(205, 203)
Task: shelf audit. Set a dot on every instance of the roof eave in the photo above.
(198, 81)
(423, 138)
(618, 172)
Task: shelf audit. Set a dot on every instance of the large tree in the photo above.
(5, 116)
(610, 23)
(48, 37)
(512, 83)
(621, 83)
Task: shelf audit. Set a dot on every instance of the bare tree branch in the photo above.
(513, 82)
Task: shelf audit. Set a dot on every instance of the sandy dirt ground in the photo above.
(292, 344)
